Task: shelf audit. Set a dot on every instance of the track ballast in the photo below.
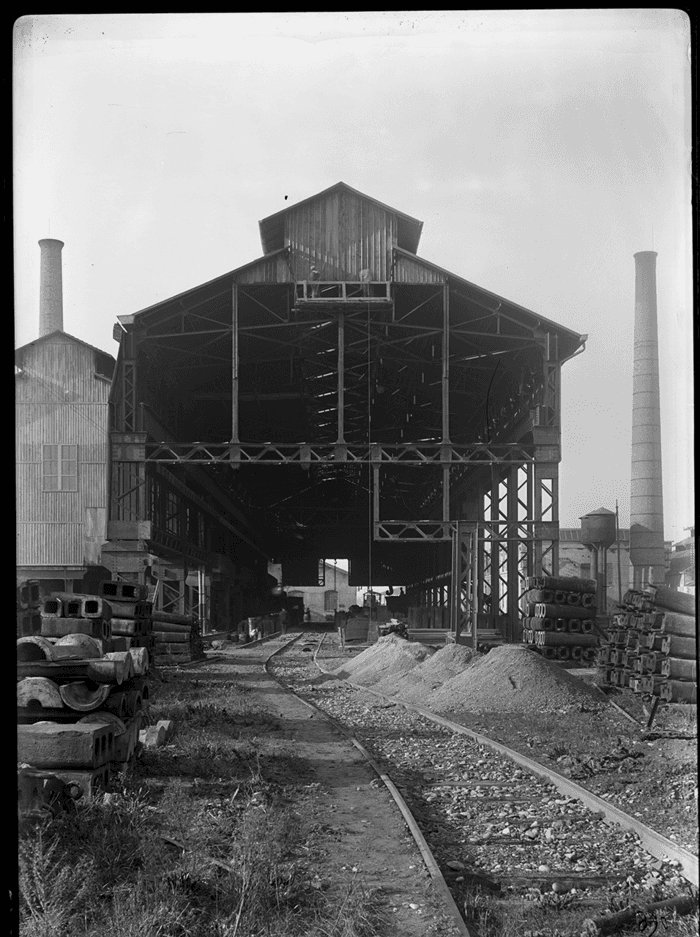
(508, 843)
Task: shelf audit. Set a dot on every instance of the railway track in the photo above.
(507, 838)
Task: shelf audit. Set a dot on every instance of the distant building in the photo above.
(681, 574)
(575, 560)
(62, 389)
(324, 601)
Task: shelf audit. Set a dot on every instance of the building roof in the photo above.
(272, 227)
(573, 534)
(501, 301)
(43, 338)
(273, 244)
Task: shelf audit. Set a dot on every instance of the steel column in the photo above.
(341, 379)
(234, 363)
(512, 548)
(446, 364)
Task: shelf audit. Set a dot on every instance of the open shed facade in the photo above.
(340, 397)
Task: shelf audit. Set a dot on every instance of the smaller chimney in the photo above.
(51, 287)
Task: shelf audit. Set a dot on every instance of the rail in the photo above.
(655, 843)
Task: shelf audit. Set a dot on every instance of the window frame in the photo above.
(60, 460)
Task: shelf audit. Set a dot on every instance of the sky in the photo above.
(542, 149)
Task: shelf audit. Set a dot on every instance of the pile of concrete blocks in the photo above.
(652, 645)
(559, 620)
(132, 625)
(82, 692)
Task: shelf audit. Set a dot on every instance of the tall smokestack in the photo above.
(647, 556)
(51, 287)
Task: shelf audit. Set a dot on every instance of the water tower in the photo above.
(598, 533)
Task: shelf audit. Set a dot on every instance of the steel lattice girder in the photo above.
(373, 454)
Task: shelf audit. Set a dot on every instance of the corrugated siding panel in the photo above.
(58, 401)
(49, 544)
(63, 370)
(267, 270)
(341, 234)
(413, 271)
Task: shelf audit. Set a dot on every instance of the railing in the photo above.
(342, 290)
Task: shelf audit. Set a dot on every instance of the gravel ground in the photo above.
(492, 826)
(651, 775)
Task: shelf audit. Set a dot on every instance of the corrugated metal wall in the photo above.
(341, 234)
(58, 401)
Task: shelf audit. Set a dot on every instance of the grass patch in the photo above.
(108, 872)
(204, 838)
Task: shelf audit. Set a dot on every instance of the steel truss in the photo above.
(306, 454)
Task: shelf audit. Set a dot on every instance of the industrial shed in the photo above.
(340, 396)
(62, 388)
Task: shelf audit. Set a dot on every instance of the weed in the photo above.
(53, 893)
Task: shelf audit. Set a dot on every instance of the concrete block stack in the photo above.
(652, 645)
(81, 695)
(559, 620)
(131, 615)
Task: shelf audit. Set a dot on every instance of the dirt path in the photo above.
(362, 834)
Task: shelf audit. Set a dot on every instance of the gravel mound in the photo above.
(391, 655)
(511, 678)
(448, 662)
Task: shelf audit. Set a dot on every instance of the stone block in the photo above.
(48, 745)
(54, 627)
(152, 737)
(85, 784)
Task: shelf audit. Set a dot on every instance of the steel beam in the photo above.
(291, 453)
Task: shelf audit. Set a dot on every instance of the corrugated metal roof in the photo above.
(43, 338)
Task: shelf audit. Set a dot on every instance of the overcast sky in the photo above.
(541, 149)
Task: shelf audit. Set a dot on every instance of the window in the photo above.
(60, 468)
(585, 570)
(330, 600)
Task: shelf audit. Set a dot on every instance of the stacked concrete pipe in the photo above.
(73, 678)
(560, 618)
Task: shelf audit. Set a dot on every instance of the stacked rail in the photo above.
(560, 618)
(82, 689)
(652, 646)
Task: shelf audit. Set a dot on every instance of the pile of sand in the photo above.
(448, 662)
(391, 655)
(511, 678)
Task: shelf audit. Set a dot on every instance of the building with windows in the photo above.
(62, 387)
(324, 600)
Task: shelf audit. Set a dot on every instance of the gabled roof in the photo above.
(272, 227)
(224, 279)
(498, 300)
(43, 338)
